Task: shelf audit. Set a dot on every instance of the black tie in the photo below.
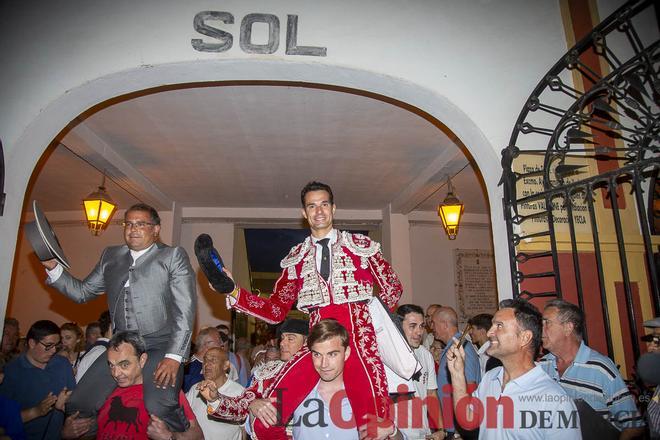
(325, 258)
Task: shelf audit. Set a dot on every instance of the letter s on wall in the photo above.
(199, 23)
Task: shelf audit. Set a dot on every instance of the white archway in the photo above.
(23, 154)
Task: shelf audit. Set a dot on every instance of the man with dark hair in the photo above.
(99, 347)
(525, 401)
(316, 186)
(124, 415)
(424, 385)
(151, 289)
(40, 382)
(330, 275)
(92, 333)
(583, 372)
(479, 326)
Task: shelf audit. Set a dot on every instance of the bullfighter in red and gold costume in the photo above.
(355, 265)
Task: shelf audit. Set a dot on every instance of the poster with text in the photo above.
(476, 290)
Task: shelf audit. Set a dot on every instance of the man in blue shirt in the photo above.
(445, 328)
(40, 382)
(11, 424)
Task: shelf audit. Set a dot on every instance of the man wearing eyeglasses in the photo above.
(586, 374)
(209, 337)
(653, 338)
(40, 382)
(151, 290)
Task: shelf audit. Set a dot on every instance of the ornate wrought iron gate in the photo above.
(580, 176)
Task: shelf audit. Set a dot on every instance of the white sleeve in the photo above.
(174, 357)
(55, 273)
(430, 366)
(233, 374)
(191, 395)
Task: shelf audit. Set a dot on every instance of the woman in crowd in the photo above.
(72, 343)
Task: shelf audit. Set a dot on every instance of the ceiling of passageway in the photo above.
(256, 146)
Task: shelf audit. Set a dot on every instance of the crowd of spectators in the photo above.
(516, 353)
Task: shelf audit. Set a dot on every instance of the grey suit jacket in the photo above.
(163, 290)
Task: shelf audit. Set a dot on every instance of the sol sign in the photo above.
(224, 40)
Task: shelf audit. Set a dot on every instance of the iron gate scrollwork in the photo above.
(580, 160)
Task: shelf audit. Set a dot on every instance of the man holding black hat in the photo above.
(329, 275)
(292, 334)
(151, 290)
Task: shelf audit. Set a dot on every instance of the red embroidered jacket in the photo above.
(357, 263)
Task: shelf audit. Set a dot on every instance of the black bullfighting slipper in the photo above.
(211, 263)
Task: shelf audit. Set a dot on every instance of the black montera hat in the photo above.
(211, 263)
(299, 326)
(43, 239)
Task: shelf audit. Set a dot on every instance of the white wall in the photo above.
(433, 261)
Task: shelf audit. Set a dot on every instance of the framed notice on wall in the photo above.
(475, 282)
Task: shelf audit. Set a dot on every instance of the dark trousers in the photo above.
(97, 384)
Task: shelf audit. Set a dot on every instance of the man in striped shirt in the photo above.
(583, 372)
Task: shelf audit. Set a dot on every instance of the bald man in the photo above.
(429, 338)
(445, 328)
(215, 364)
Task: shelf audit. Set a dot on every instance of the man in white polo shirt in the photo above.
(517, 400)
(412, 414)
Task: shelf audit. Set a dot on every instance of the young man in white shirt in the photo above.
(326, 412)
(424, 384)
(99, 347)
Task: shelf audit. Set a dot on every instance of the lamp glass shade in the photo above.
(99, 209)
(450, 211)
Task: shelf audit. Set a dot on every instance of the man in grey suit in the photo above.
(150, 289)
